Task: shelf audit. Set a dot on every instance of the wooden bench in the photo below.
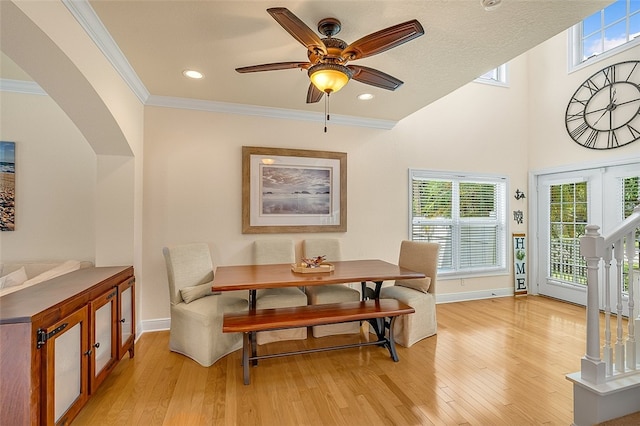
(374, 311)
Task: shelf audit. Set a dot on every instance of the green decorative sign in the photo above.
(520, 263)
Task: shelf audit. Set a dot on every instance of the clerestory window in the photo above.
(612, 29)
(497, 76)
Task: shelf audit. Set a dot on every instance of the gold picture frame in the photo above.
(293, 190)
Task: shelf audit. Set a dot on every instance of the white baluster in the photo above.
(618, 254)
(607, 350)
(631, 339)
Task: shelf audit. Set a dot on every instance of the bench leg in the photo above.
(392, 342)
(245, 357)
(254, 347)
(378, 327)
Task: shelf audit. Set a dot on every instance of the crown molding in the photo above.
(32, 88)
(21, 86)
(288, 114)
(95, 29)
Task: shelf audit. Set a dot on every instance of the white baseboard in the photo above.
(473, 295)
(159, 324)
(162, 324)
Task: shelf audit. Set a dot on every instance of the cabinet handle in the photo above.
(88, 353)
(97, 345)
(123, 320)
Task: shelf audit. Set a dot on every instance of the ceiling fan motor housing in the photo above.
(334, 46)
(329, 27)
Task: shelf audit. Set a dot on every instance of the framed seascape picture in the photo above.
(293, 190)
(7, 186)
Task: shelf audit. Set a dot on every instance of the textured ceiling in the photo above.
(462, 41)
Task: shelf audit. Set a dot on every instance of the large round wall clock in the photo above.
(604, 113)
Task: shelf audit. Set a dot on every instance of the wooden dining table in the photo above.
(256, 277)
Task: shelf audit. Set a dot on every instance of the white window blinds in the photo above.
(466, 215)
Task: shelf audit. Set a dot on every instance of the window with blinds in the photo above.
(466, 215)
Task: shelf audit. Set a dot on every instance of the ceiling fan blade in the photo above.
(314, 94)
(274, 67)
(298, 29)
(383, 40)
(374, 77)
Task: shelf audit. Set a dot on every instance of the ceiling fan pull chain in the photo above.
(326, 112)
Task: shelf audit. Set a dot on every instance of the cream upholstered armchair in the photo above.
(334, 293)
(278, 250)
(196, 312)
(420, 294)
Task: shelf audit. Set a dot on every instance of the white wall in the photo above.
(55, 179)
(193, 175)
(550, 146)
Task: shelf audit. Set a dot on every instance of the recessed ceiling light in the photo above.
(193, 74)
(365, 96)
(490, 4)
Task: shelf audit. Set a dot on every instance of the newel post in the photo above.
(592, 248)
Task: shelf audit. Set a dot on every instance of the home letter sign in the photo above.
(520, 263)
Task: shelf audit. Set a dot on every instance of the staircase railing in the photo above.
(620, 358)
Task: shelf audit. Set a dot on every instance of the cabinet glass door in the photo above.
(104, 311)
(126, 317)
(65, 367)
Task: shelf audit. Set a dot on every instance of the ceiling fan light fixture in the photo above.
(329, 78)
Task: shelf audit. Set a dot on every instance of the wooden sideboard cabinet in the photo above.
(60, 339)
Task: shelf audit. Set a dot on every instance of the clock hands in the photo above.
(612, 105)
(608, 106)
(628, 102)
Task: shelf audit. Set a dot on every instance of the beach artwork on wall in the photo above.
(7, 186)
(293, 190)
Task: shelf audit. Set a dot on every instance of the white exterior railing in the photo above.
(620, 358)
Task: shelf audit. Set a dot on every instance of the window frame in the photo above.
(502, 237)
(575, 48)
(502, 79)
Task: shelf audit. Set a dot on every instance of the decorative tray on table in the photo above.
(312, 266)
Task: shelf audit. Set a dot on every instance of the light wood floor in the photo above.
(493, 362)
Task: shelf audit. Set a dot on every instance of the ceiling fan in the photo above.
(328, 57)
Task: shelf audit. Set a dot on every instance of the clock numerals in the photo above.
(635, 133)
(592, 139)
(632, 71)
(609, 74)
(579, 101)
(612, 140)
(591, 86)
(579, 131)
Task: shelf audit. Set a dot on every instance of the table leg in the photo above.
(376, 292)
(370, 293)
(252, 300)
(254, 344)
